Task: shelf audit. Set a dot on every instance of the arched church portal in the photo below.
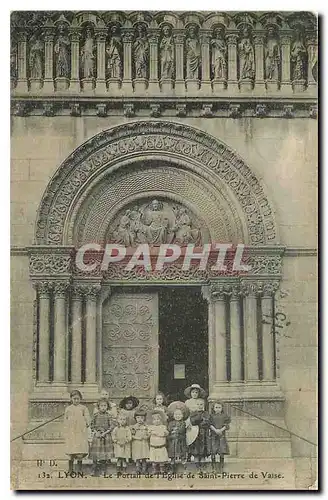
(154, 182)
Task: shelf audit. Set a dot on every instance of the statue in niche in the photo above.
(167, 53)
(272, 56)
(36, 59)
(114, 53)
(61, 50)
(154, 224)
(246, 57)
(298, 58)
(192, 54)
(219, 55)
(141, 52)
(87, 56)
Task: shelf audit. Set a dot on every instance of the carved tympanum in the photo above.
(154, 223)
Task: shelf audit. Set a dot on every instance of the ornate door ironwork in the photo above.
(130, 345)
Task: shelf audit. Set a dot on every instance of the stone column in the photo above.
(205, 52)
(218, 323)
(60, 333)
(179, 64)
(153, 86)
(259, 62)
(22, 63)
(77, 322)
(48, 84)
(232, 62)
(312, 48)
(249, 291)
(101, 61)
(267, 332)
(127, 37)
(75, 36)
(44, 295)
(91, 334)
(286, 86)
(235, 336)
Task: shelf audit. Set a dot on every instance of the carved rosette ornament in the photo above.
(50, 264)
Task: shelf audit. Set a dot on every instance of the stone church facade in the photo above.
(206, 121)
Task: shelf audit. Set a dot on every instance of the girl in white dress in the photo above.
(157, 449)
(76, 431)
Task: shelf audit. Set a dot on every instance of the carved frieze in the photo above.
(49, 264)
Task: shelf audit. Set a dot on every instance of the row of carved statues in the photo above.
(301, 48)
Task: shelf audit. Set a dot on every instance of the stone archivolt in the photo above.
(136, 52)
(193, 150)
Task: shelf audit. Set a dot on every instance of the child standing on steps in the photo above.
(76, 425)
(219, 424)
(157, 451)
(102, 425)
(140, 441)
(122, 438)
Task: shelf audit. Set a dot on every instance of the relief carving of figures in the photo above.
(114, 54)
(61, 50)
(155, 223)
(192, 54)
(298, 58)
(141, 52)
(88, 56)
(219, 55)
(184, 233)
(167, 53)
(246, 57)
(313, 61)
(272, 56)
(36, 59)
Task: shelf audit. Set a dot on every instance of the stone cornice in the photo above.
(304, 106)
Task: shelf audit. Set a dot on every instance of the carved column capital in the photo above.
(232, 38)
(78, 292)
(269, 288)
(179, 38)
(49, 34)
(60, 288)
(127, 36)
(75, 34)
(91, 291)
(22, 36)
(218, 291)
(43, 288)
(250, 288)
(205, 38)
(153, 37)
(259, 38)
(285, 39)
(101, 34)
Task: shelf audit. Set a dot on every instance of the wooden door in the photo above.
(130, 345)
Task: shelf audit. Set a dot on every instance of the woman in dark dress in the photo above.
(219, 424)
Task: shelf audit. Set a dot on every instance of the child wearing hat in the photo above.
(127, 408)
(76, 426)
(102, 425)
(122, 438)
(140, 441)
(159, 404)
(194, 393)
(199, 447)
(219, 424)
(157, 443)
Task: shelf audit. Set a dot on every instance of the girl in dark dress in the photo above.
(200, 448)
(177, 446)
(219, 424)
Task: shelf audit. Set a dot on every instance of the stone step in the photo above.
(238, 474)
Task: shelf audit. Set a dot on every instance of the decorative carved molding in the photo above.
(101, 110)
(140, 137)
(234, 110)
(49, 264)
(128, 110)
(155, 110)
(181, 110)
(261, 110)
